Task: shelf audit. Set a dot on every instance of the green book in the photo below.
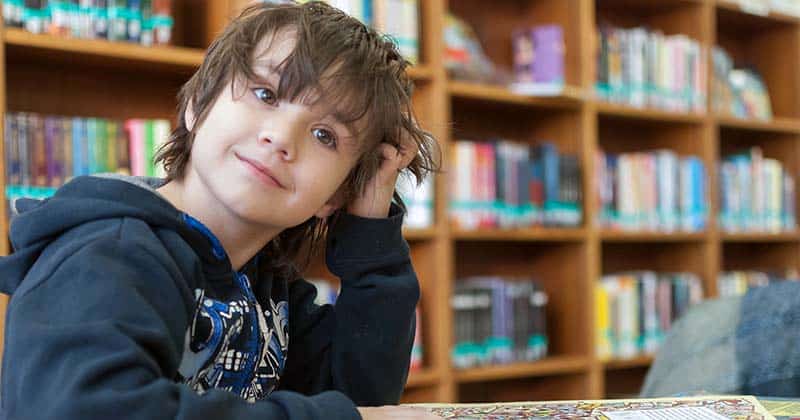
(149, 148)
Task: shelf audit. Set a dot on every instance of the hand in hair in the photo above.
(377, 196)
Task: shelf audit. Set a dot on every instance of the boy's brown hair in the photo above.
(343, 62)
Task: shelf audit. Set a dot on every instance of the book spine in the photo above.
(122, 149)
(24, 145)
(117, 20)
(602, 324)
(149, 148)
(134, 20)
(161, 131)
(66, 148)
(101, 149)
(38, 150)
(100, 19)
(11, 143)
(162, 22)
(110, 146)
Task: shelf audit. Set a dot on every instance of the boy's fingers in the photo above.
(392, 157)
(409, 149)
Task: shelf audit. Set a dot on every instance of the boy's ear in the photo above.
(188, 116)
(333, 204)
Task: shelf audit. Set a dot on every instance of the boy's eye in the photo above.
(266, 95)
(324, 136)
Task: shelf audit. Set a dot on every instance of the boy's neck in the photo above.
(241, 240)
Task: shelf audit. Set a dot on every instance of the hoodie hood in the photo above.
(36, 223)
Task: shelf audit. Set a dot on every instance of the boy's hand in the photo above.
(377, 196)
(395, 412)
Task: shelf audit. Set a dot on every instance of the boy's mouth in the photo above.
(261, 171)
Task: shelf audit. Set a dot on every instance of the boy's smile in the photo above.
(261, 172)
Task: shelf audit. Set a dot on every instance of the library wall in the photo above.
(593, 150)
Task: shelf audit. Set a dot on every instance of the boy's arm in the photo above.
(101, 338)
(362, 345)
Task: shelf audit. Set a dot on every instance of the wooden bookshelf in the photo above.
(46, 74)
(528, 234)
(24, 45)
(546, 367)
(755, 18)
(419, 234)
(775, 125)
(571, 98)
(791, 236)
(605, 109)
(633, 362)
(422, 378)
(615, 236)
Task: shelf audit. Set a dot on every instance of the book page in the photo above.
(680, 413)
(693, 408)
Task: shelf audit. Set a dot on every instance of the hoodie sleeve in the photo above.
(100, 336)
(362, 345)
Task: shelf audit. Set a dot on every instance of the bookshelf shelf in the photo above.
(555, 365)
(570, 99)
(424, 377)
(419, 234)
(776, 125)
(650, 5)
(616, 236)
(421, 73)
(753, 18)
(22, 44)
(609, 110)
(790, 236)
(630, 363)
(524, 235)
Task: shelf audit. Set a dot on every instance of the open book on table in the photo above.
(692, 408)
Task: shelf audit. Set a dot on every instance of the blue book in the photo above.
(548, 156)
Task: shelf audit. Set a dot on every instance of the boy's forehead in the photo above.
(273, 49)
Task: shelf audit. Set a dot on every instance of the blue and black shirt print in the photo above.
(236, 345)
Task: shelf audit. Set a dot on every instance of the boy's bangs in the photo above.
(338, 82)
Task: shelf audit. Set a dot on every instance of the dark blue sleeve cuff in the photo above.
(355, 238)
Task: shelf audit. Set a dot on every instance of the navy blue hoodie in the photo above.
(124, 307)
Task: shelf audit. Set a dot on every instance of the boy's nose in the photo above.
(281, 144)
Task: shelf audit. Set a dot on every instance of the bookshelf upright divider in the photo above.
(85, 78)
(4, 244)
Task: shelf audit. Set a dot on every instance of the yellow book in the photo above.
(602, 322)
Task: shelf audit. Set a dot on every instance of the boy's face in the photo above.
(267, 161)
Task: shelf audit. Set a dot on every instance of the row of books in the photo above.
(642, 68)
(738, 92)
(418, 201)
(498, 320)
(397, 18)
(147, 22)
(756, 194)
(635, 310)
(539, 60)
(327, 293)
(655, 191)
(763, 7)
(737, 283)
(44, 151)
(505, 184)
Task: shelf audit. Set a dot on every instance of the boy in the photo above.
(178, 298)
